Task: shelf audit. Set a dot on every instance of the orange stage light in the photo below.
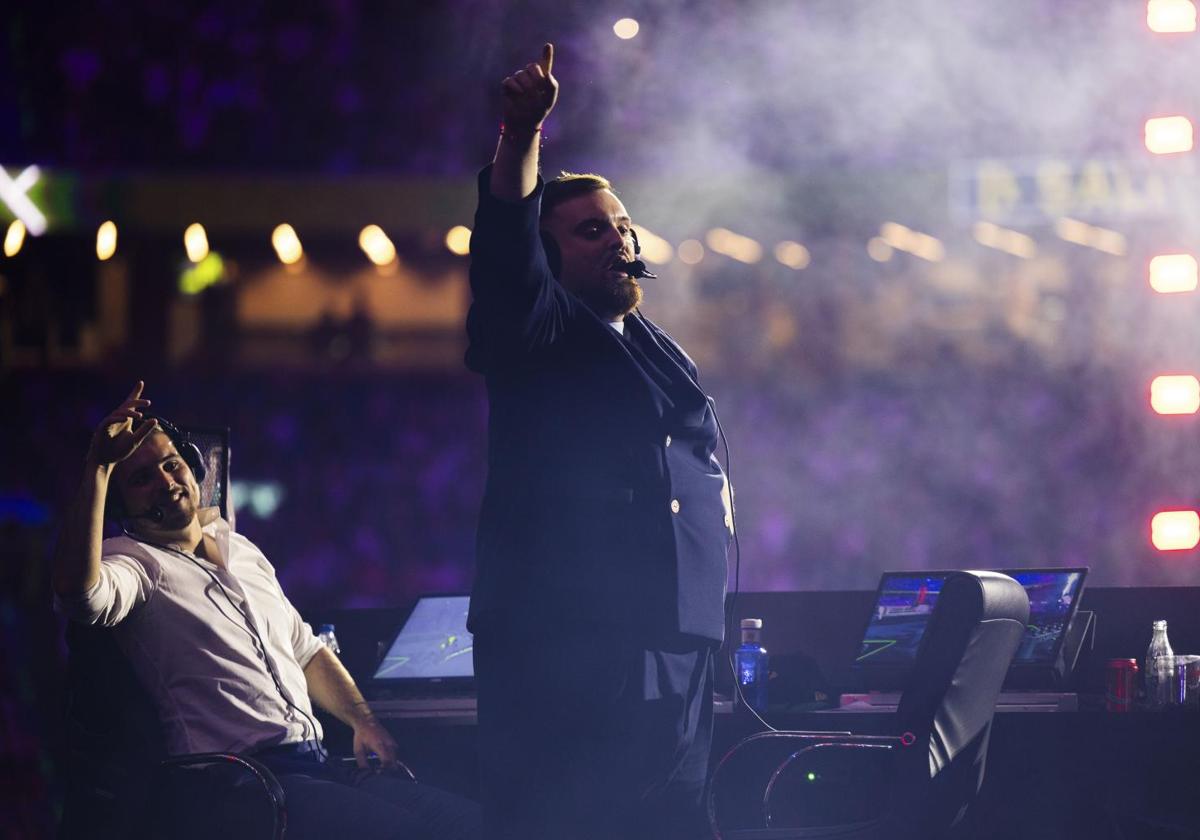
(1169, 135)
(1175, 530)
(1172, 273)
(1175, 394)
(1171, 15)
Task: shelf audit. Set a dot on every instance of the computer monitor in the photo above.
(1053, 601)
(904, 603)
(433, 644)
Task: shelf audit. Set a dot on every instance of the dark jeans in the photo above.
(325, 801)
(591, 735)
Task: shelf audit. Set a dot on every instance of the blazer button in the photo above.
(674, 506)
(668, 440)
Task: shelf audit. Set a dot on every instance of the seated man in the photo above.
(229, 663)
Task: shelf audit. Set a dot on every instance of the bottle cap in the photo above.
(751, 623)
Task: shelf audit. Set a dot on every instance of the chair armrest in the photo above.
(259, 771)
(793, 759)
(810, 741)
(349, 763)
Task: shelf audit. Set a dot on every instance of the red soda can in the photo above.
(1121, 677)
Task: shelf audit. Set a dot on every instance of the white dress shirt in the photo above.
(194, 645)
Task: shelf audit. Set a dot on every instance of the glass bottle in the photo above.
(1160, 668)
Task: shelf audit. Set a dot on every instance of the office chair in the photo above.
(917, 780)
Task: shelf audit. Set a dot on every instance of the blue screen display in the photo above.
(906, 600)
(898, 622)
(433, 644)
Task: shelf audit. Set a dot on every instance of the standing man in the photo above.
(599, 594)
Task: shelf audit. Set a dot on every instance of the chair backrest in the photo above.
(113, 738)
(213, 443)
(974, 632)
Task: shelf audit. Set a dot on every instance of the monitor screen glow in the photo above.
(433, 644)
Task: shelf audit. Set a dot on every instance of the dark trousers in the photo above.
(591, 736)
(324, 801)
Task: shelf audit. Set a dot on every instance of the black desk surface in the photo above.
(1051, 776)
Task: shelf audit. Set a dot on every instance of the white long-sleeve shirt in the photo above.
(195, 652)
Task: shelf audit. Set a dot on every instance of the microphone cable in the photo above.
(737, 543)
(737, 578)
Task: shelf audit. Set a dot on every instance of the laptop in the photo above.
(904, 603)
(428, 668)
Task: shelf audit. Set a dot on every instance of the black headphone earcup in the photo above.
(553, 254)
(194, 459)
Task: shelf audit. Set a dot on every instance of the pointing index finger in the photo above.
(547, 59)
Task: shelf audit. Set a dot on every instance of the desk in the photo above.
(1050, 776)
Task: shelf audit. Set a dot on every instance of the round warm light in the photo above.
(626, 28)
(878, 249)
(106, 240)
(14, 238)
(458, 240)
(690, 251)
(793, 255)
(376, 245)
(287, 244)
(195, 242)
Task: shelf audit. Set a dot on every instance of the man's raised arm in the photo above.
(76, 565)
(529, 96)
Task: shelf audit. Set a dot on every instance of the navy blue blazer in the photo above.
(603, 501)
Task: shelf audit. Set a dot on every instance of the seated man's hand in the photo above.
(116, 437)
(370, 736)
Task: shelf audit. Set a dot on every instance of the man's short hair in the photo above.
(568, 185)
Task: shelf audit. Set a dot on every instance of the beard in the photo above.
(179, 514)
(612, 299)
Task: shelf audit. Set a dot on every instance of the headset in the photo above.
(191, 455)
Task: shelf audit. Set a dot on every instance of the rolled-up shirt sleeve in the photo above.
(125, 583)
(305, 643)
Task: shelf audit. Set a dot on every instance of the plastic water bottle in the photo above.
(751, 660)
(327, 637)
(1160, 668)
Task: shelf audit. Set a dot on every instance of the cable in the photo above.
(321, 751)
(737, 574)
(737, 543)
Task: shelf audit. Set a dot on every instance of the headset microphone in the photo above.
(636, 269)
(154, 514)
